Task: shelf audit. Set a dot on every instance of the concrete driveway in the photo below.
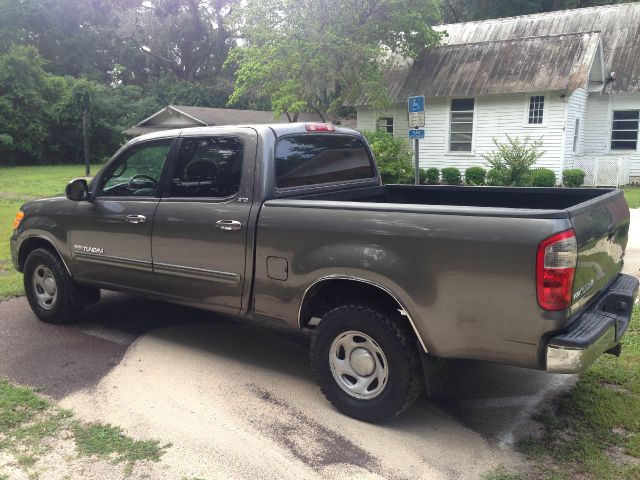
(238, 400)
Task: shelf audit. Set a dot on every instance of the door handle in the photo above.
(228, 225)
(136, 218)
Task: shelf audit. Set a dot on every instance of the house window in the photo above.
(624, 131)
(576, 135)
(386, 124)
(536, 109)
(461, 125)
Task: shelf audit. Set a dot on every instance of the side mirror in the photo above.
(77, 190)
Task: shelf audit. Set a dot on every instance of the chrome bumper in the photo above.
(595, 331)
(562, 359)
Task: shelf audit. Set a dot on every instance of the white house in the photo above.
(571, 77)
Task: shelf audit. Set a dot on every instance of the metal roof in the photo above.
(619, 26)
(534, 64)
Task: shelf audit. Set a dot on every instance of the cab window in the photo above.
(314, 159)
(137, 171)
(208, 167)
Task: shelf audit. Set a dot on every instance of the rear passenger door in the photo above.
(200, 227)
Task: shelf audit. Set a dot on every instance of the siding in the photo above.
(576, 109)
(596, 125)
(368, 119)
(626, 101)
(598, 120)
(494, 116)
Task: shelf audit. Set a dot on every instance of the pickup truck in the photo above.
(291, 222)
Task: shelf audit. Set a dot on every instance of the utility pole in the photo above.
(85, 137)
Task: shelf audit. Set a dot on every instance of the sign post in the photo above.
(416, 120)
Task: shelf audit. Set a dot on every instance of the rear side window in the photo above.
(208, 167)
(313, 159)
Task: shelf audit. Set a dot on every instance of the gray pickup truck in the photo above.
(291, 222)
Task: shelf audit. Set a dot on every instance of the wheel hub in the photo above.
(45, 287)
(358, 365)
(362, 362)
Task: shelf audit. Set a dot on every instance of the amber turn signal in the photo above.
(18, 219)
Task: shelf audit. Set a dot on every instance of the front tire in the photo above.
(366, 362)
(50, 289)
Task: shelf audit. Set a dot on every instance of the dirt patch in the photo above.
(309, 441)
(239, 401)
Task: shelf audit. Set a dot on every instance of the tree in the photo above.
(75, 37)
(184, 38)
(318, 55)
(26, 91)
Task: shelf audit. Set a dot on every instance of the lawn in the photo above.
(593, 432)
(18, 184)
(632, 194)
(32, 430)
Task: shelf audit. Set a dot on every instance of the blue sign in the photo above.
(416, 104)
(417, 133)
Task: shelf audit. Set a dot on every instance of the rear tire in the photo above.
(52, 294)
(366, 362)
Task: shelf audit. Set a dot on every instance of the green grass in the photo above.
(502, 474)
(28, 420)
(106, 440)
(632, 195)
(18, 184)
(595, 431)
(18, 406)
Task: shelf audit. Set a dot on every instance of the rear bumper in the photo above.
(595, 331)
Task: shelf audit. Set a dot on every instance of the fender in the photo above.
(50, 242)
(403, 309)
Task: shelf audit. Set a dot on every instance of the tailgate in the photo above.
(602, 230)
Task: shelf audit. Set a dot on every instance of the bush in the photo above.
(432, 176)
(573, 177)
(451, 176)
(496, 177)
(542, 177)
(393, 156)
(475, 176)
(514, 159)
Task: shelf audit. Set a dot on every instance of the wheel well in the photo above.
(31, 244)
(326, 295)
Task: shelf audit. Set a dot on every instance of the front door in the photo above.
(111, 239)
(200, 227)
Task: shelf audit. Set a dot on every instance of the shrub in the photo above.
(475, 176)
(514, 159)
(542, 177)
(393, 156)
(423, 176)
(573, 177)
(432, 176)
(451, 176)
(495, 177)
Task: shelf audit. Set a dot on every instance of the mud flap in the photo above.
(435, 374)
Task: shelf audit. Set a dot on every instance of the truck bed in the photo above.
(457, 252)
(497, 197)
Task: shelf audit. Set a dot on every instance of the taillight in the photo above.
(555, 268)
(320, 127)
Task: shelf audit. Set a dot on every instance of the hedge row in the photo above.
(537, 177)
